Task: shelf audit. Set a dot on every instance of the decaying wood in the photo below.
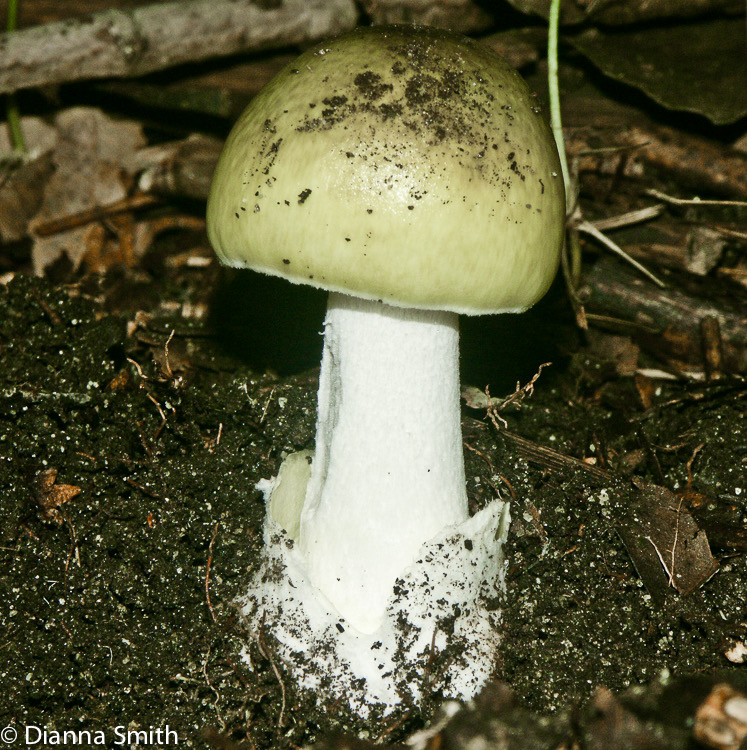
(182, 169)
(458, 15)
(224, 91)
(667, 322)
(696, 162)
(615, 12)
(606, 137)
(677, 243)
(142, 40)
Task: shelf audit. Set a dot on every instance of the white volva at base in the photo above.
(442, 593)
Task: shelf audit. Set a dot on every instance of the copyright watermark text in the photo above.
(34, 735)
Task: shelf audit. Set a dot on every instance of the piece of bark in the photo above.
(622, 12)
(675, 243)
(182, 169)
(606, 137)
(696, 162)
(721, 720)
(465, 16)
(666, 322)
(134, 42)
(221, 92)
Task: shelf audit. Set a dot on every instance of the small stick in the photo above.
(626, 219)
(692, 201)
(589, 228)
(712, 345)
(89, 215)
(207, 573)
(268, 655)
(169, 371)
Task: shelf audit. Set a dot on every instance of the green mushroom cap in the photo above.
(398, 163)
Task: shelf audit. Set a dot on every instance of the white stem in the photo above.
(388, 472)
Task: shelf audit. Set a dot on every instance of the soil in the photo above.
(120, 572)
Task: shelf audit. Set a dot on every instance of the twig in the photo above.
(207, 573)
(692, 201)
(590, 229)
(670, 582)
(66, 223)
(133, 42)
(267, 653)
(626, 219)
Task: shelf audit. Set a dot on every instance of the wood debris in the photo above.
(721, 720)
(668, 322)
(154, 37)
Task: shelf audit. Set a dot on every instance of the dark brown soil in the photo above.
(117, 603)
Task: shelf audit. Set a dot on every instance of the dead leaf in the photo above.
(51, 497)
(93, 156)
(21, 196)
(666, 545)
(695, 67)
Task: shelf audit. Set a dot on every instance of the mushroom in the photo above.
(409, 172)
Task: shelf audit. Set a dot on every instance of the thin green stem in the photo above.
(12, 112)
(552, 82)
(12, 15)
